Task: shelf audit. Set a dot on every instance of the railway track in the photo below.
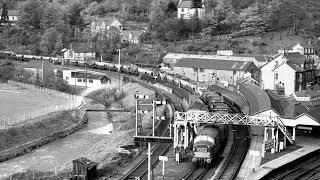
(141, 170)
(195, 173)
(238, 152)
(309, 169)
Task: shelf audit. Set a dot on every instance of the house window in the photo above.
(67, 78)
(90, 81)
(182, 9)
(84, 80)
(276, 76)
(79, 80)
(195, 69)
(73, 74)
(201, 69)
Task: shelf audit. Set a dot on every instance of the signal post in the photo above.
(153, 138)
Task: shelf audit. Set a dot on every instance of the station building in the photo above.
(300, 116)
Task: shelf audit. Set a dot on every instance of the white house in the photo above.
(102, 25)
(214, 70)
(131, 36)
(13, 15)
(79, 51)
(288, 73)
(186, 9)
(84, 79)
(285, 77)
(306, 49)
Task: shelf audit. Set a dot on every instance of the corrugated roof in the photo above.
(213, 64)
(258, 99)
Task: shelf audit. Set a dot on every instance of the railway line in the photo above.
(140, 171)
(195, 173)
(307, 168)
(241, 143)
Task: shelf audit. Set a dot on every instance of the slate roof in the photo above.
(307, 93)
(185, 4)
(295, 67)
(305, 45)
(133, 32)
(289, 108)
(82, 47)
(12, 12)
(213, 64)
(83, 74)
(294, 55)
(259, 58)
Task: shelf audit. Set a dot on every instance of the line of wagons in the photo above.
(143, 72)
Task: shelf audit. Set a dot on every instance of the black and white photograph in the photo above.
(159, 90)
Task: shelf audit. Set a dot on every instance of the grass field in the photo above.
(16, 100)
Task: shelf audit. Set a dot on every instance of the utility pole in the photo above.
(42, 68)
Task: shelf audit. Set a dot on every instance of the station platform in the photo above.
(309, 144)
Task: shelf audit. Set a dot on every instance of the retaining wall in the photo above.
(78, 114)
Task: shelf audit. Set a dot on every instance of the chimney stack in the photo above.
(309, 42)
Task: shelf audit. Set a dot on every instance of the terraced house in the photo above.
(288, 73)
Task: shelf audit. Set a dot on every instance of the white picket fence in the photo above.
(11, 120)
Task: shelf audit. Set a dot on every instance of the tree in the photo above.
(75, 18)
(52, 16)
(31, 14)
(193, 24)
(197, 3)
(103, 46)
(254, 20)
(50, 40)
(4, 14)
(6, 71)
(77, 34)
